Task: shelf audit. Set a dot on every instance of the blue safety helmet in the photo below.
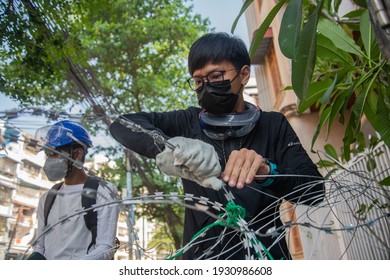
(67, 132)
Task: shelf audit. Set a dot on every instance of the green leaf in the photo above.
(329, 174)
(339, 37)
(361, 3)
(349, 136)
(336, 4)
(290, 28)
(370, 110)
(373, 204)
(374, 141)
(303, 63)
(366, 32)
(314, 93)
(371, 164)
(354, 14)
(264, 27)
(326, 97)
(360, 103)
(337, 106)
(327, 51)
(330, 150)
(385, 182)
(362, 209)
(325, 163)
(243, 9)
(383, 116)
(323, 119)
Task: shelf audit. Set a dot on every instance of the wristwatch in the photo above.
(273, 170)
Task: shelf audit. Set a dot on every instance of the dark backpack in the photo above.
(90, 187)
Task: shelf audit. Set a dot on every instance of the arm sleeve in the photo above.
(104, 248)
(39, 245)
(168, 124)
(300, 181)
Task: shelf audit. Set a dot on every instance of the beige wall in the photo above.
(305, 126)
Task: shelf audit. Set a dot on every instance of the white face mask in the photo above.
(55, 168)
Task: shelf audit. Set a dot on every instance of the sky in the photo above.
(221, 14)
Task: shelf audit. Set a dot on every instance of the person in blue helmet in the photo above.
(88, 237)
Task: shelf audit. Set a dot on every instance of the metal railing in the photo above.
(355, 215)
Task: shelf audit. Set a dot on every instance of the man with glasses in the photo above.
(227, 143)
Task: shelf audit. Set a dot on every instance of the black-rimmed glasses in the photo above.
(197, 82)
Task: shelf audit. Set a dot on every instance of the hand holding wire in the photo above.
(192, 159)
(243, 166)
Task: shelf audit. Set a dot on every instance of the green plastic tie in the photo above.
(234, 212)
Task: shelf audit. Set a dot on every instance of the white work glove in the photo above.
(192, 159)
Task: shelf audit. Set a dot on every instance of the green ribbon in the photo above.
(234, 212)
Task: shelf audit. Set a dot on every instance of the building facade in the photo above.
(22, 182)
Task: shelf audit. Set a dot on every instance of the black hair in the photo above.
(73, 146)
(215, 48)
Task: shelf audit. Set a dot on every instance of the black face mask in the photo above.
(217, 98)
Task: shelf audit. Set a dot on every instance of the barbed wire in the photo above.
(49, 114)
(203, 204)
(340, 211)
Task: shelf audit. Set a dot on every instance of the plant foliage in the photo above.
(337, 66)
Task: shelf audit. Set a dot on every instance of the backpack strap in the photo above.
(51, 196)
(88, 198)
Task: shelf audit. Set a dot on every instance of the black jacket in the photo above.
(273, 138)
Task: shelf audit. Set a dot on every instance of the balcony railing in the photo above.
(33, 181)
(355, 215)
